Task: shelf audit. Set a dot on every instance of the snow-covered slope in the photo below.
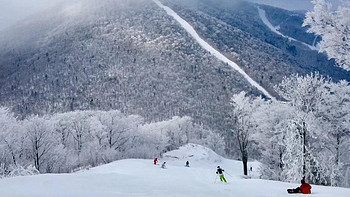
(211, 49)
(266, 21)
(138, 177)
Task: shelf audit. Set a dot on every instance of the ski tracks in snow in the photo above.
(211, 49)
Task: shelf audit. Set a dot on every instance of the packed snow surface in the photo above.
(211, 49)
(266, 21)
(140, 177)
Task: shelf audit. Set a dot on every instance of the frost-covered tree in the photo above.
(335, 110)
(304, 94)
(244, 124)
(307, 135)
(212, 140)
(334, 29)
(118, 128)
(39, 137)
(279, 141)
(11, 139)
(79, 128)
(74, 140)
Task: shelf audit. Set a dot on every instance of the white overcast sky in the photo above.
(11, 11)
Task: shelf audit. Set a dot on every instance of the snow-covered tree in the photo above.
(244, 124)
(334, 29)
(79, 128)
(304, 94)
(306, 136)
(118, 128)
(39, 137)
(335, 110)
(75, 140)
(280, 142)
(11, 139)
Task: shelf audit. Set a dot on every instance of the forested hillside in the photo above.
(125, 55)
(237, 30)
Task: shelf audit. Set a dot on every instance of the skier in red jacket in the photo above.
(155, 161)
(305, 188)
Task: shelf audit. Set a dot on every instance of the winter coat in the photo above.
(219, 171)
(163, 165)
(305, 188)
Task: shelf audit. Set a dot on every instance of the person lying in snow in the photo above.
(305, 188)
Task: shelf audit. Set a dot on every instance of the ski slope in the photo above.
(266, 21)
(211, 49)
(140, 178)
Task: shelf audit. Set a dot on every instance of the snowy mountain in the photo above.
(238, 31)
(125, 55)
(138, 177)
(93, 81)
(132, 56)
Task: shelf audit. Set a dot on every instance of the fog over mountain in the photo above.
(12, 11)
(294, 4)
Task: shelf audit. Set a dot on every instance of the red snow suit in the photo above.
(155, 161)
(305, 188)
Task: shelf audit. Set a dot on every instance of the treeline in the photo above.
(64, 142)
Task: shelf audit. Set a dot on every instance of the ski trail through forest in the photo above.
(211, 49)
(262, 15)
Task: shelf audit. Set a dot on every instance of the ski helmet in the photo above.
(218, 166)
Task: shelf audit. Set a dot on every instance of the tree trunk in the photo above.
(337, 149)
(37, 162)
(36, 155)
(245, 162)
(12, 153)
(304, 150)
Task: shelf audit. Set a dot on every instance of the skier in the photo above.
(250, 171)
(187, 164)
(305, 188)
(220, 171)
(163, 165)
(155, 161)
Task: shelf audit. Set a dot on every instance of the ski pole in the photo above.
(228, 174)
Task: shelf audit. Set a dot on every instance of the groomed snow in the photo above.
(139, 177)
(211, 49)
(266, 21)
